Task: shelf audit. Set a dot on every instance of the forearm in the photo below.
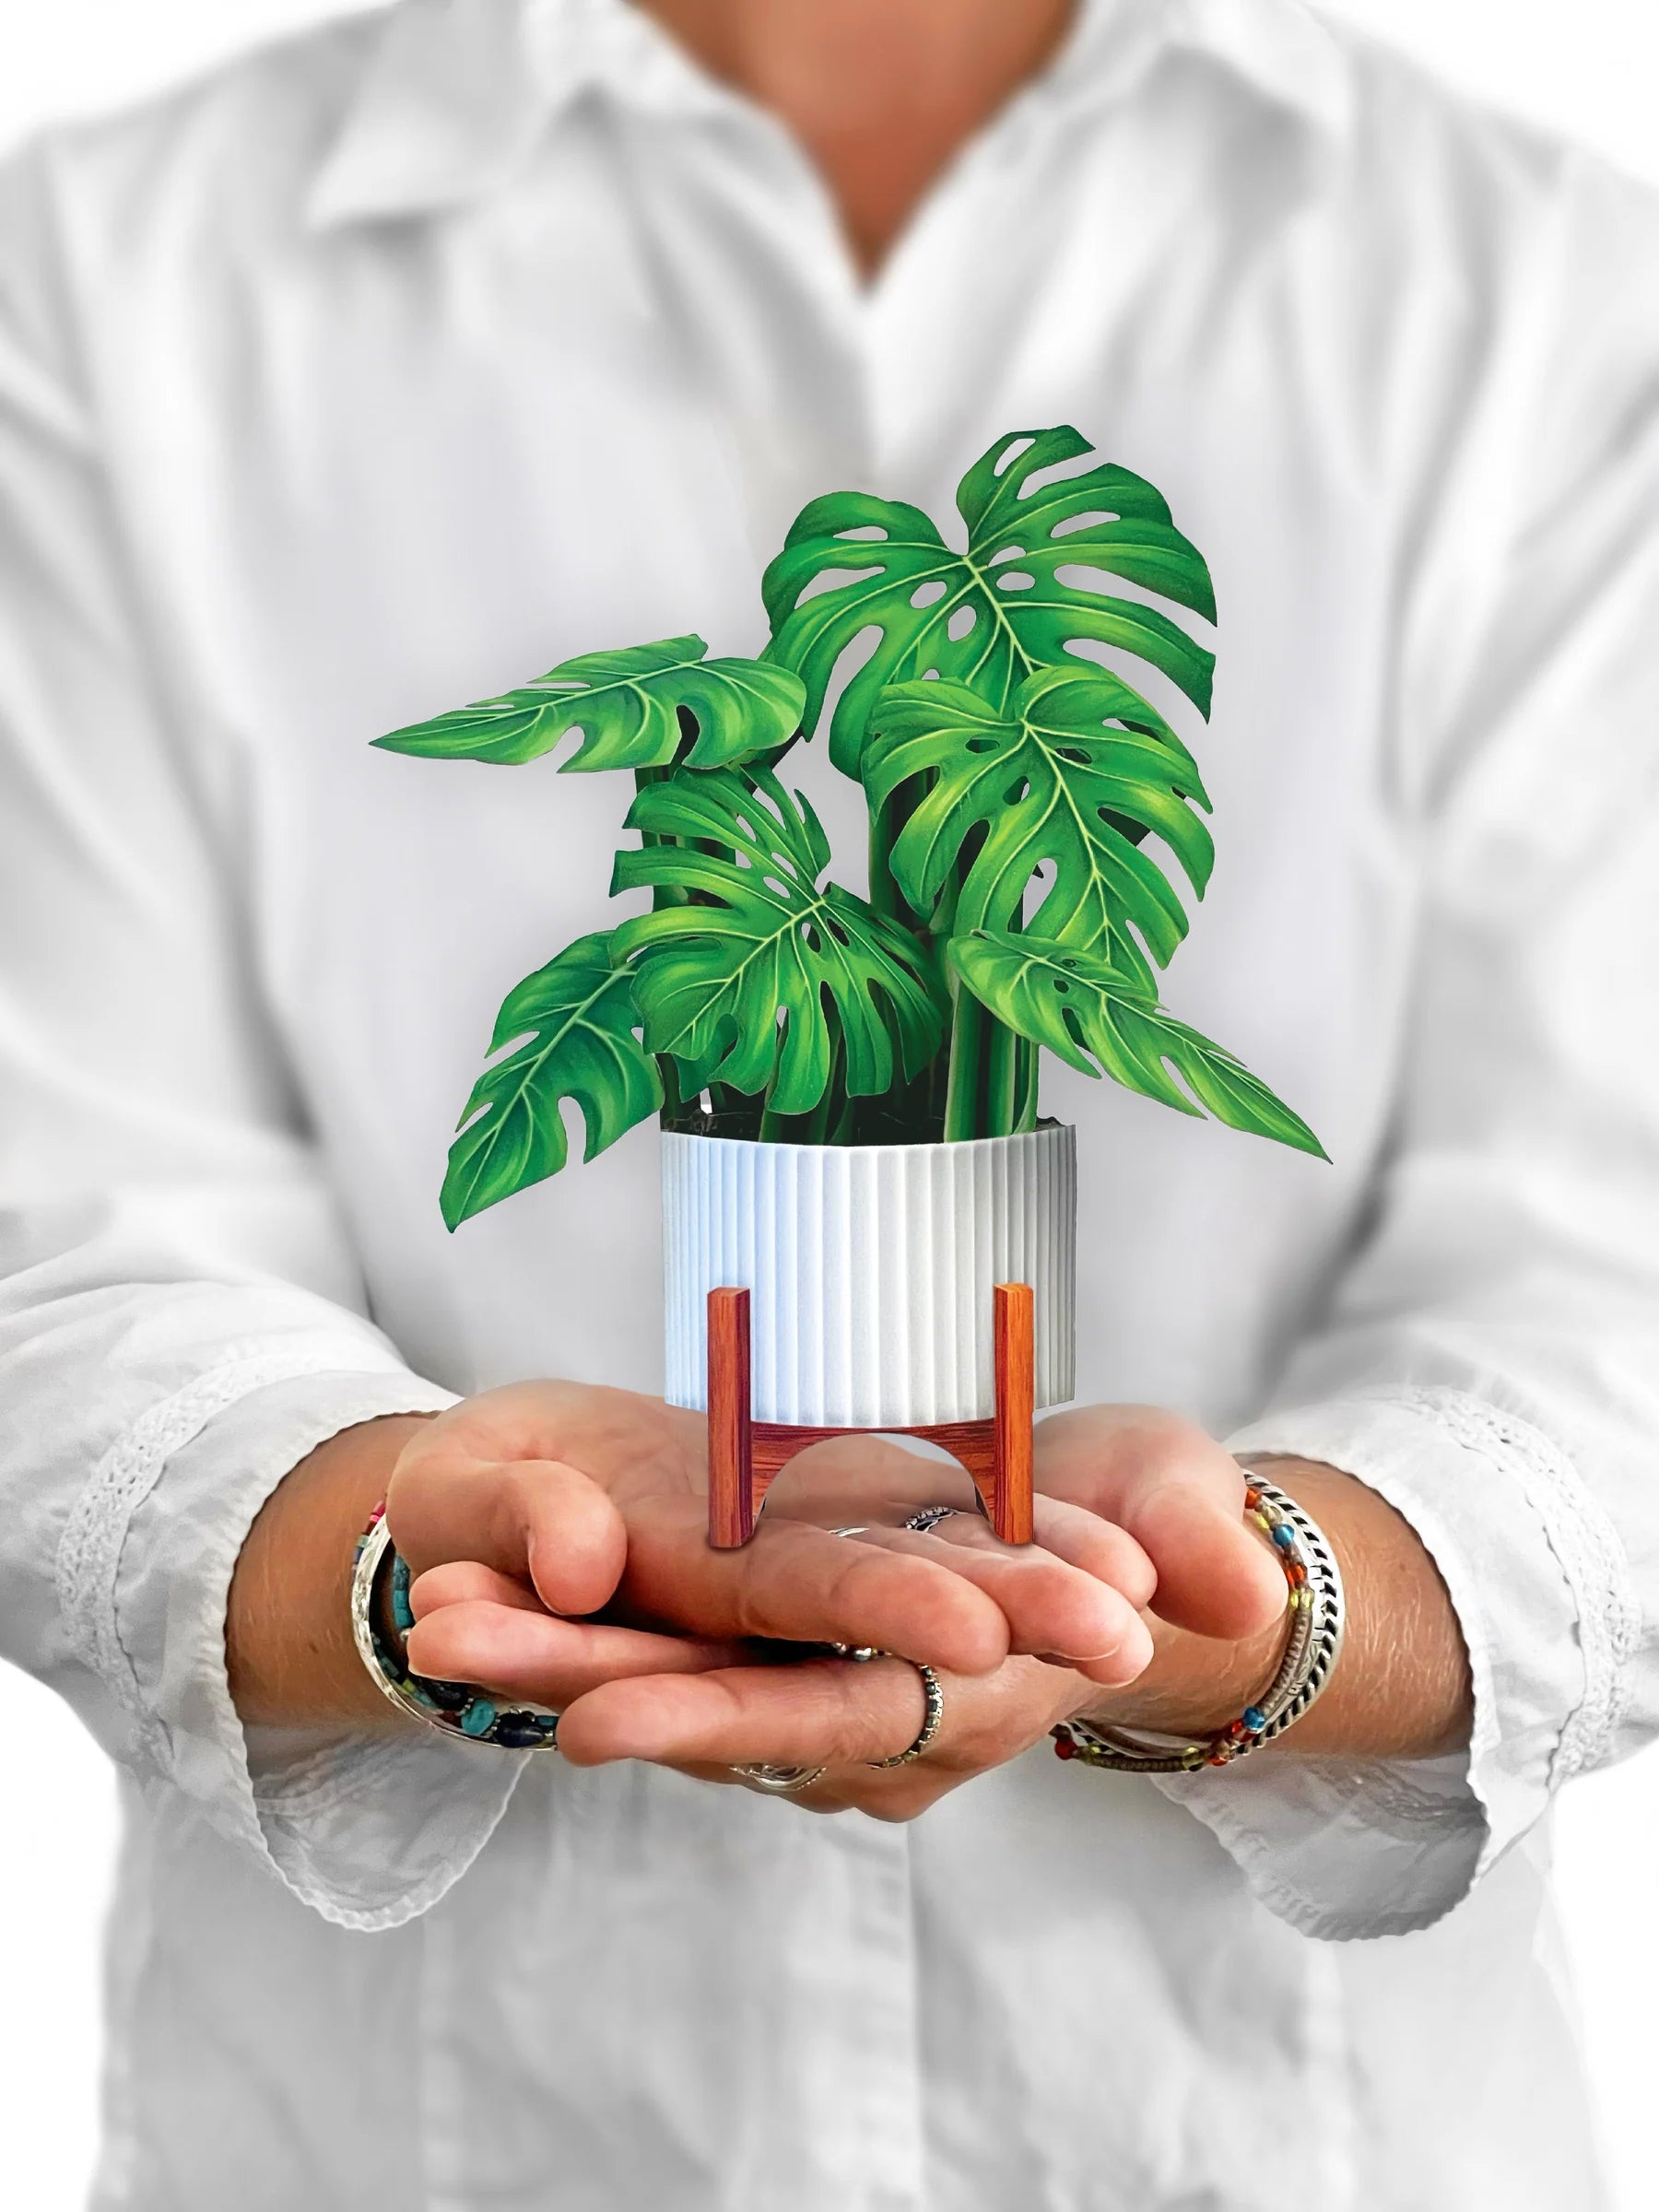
(288, 1633)
(1401, 1688)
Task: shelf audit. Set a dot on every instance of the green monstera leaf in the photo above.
(766, 974)
(577, 1018)
(1076, 1005)
(635, 708)
(1075, 771)
(1032, 584)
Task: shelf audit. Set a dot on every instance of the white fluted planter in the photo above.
(870, 1269)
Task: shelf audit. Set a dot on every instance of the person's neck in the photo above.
(881, 93)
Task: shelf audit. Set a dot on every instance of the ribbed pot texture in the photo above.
(871, 1269)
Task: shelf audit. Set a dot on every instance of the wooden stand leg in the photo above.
(1014, 1326)
(997, 1453)
(731, 1445)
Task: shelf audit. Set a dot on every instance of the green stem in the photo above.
(981, 1100)
(886, 825)
(1026, 1064)
(815, 1127)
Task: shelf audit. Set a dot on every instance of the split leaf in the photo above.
(1031, 585)
(1076, 1005)
(640, 707)
(765, 970)
(577, 1020)
(1078, 770)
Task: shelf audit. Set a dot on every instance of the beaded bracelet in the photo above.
(1318, 1616)
(459, 1708)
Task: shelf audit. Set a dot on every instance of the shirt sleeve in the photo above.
(180, 1314)
(1488, 1360)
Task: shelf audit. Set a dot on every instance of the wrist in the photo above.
(289, 1644)
(1194, 1684)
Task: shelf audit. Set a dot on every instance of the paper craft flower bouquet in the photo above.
(849, 1085)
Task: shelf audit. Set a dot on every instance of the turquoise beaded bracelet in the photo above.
(459, 1708)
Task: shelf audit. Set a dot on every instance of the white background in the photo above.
(1590, 69)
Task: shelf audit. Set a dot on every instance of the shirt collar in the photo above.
(457, 93)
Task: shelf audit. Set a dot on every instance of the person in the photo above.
(400, 361)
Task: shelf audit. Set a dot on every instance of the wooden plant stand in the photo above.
(745, 1454)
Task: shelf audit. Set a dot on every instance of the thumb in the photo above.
(540, 1521)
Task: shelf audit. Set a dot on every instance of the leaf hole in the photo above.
(834, 579)
(1003, 555)
(961, 621)
(1016, 579)
(928, 594)
(1067, 523)
(1010, 454)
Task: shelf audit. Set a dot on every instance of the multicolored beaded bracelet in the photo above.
(1317, 1615)
(460, 1707)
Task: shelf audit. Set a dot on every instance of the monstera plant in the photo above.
(981, 694)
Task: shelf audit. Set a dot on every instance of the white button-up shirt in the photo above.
(391, 367)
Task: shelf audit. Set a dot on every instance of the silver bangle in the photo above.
(458, 1709)
(1318, 1617)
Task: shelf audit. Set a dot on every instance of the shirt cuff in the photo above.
(1542, 1591)
(369, 1831)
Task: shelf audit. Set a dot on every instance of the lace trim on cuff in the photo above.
(1582, 1534)
(88, 1557)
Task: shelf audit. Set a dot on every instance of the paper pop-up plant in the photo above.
(849, 1084)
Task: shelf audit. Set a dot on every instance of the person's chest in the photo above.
(420, 462)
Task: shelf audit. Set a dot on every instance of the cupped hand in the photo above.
(527, 1511)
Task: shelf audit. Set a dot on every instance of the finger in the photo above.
(1214, 1576)
(821, 1713)
(1048, 1591)
(987, 1720)
(459, 1580)
(1180, 1496)
(532, 1654)
(1053, 1607)
(1097, 1546)
(801, 1584)
(532, 1518)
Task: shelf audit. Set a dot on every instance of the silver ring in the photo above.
(934, 1712)
(782, 1782)
(928, 1519)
